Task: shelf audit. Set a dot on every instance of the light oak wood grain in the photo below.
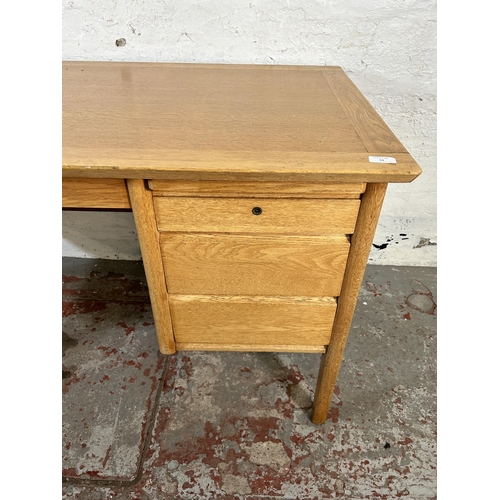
(254, 265)
(236, 166)
(257, 189)
(253, 320)
(256, 299)
(142, 207)
(361, 242)
(186, 346)
(94, 193)
(203, 107)
(234, 215)
(218, 122)
(376, 136)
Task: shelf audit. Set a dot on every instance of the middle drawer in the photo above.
(231, 264)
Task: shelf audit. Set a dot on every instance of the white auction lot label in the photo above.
(381, 159)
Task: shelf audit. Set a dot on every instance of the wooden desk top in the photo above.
(223, 122)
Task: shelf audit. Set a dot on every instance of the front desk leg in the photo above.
(141, 200)
(361, 242)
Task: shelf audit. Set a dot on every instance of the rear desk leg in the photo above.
(361, 242)
(141, 200)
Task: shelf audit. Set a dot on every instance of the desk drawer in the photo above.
(222, 264)
(94, 193)
(252, 320)
(256, 215)
(245, 189)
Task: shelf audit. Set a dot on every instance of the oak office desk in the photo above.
(252, 191)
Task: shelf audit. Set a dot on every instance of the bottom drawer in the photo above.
(258, 321)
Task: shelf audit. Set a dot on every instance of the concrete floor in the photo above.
(139, 425)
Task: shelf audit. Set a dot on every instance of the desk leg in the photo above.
(141, 200)
(361, 242)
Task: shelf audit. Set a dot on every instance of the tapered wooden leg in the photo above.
(141, 200)
(361, 242)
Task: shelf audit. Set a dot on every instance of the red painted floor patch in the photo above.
(112, 371)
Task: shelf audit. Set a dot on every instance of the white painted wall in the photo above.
(387, 47)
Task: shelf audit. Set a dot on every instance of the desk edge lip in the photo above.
(402, 175)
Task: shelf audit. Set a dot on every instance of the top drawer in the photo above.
(256, 215)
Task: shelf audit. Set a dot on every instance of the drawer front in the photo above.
(274, 216)
(94, 193)
(252, 320)
(223, 264)
(214, 189)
